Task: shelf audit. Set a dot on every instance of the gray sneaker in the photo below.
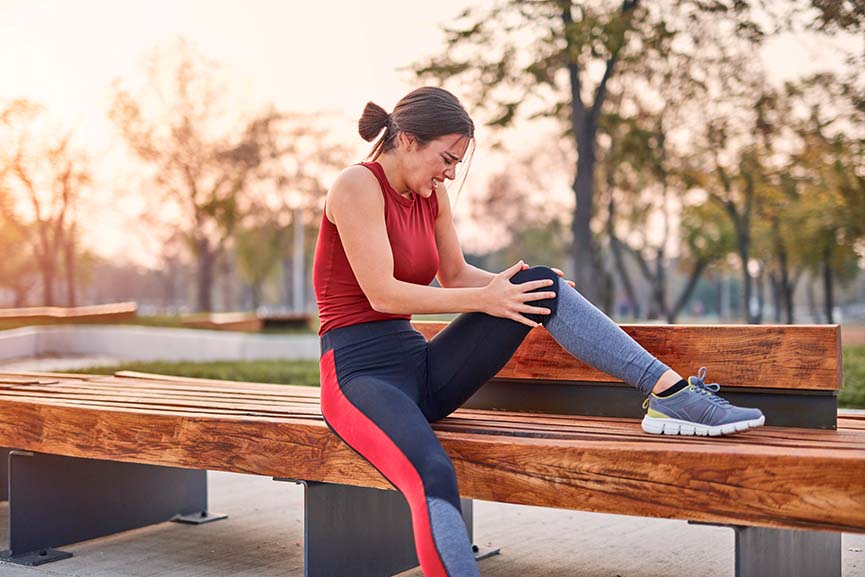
(697, 410)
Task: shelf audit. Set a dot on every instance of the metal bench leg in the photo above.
(56, 500)
(4, 474)
(360, 532)
(762, 552)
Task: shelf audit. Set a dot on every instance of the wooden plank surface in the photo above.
(763, 356)
(106, 312)
(793, 478)
(243, 322)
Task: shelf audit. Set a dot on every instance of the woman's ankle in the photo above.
(667, 380)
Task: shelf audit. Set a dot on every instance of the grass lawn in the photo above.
(853, 394)
(279, 372)
(306, 373)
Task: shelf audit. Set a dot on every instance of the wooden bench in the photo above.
(114, 312)
(246, 322)
(84, 445)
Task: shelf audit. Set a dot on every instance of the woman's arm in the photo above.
(357, 209)
(454, 271)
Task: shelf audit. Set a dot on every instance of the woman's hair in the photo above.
(427, 113)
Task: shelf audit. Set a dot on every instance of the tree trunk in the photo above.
(226, 277)
(828, 297)
(255, 291)
(69, 254)
(619, 260)
(761, 300)
(206, 258)
(747, 286)
(584, 248)
(47, 265)
(789, 295)
(777, 297)
(693, 279)
(661, 283)
(812, 300)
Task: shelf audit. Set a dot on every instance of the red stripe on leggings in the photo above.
(362, 434)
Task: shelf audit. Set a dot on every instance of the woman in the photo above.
(387, 231)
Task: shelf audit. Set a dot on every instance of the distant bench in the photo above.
(247, 322)
(133, 449)
(95, 313)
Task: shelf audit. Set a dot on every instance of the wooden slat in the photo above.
(722, 482)
(764, 356)
(106, 312)
(245, 322)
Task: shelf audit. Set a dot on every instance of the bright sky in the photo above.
(299, 55)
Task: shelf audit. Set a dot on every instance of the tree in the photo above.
(827, 173)
(521, 218)
(200, 158)
(46, 174)
(259, 250)
(561, 57)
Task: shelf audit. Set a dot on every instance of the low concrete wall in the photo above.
(19, 343)
(153, 343)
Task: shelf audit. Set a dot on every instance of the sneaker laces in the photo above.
(700, 385)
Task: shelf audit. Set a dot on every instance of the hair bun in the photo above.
(373, 119)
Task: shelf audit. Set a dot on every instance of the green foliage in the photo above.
(853, 394)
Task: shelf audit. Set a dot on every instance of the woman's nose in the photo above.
(450, 173)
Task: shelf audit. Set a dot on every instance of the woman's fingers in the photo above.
(527, 297)
(521, 319)
(508, 273)
(535, 310)
(535, 284)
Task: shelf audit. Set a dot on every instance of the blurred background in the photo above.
(681, 160)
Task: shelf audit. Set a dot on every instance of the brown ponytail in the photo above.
(371, 122)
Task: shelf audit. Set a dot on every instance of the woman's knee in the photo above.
(540, 273)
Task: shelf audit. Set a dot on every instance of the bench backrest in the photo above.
(792, 372)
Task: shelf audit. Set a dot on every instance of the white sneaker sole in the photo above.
(658, 426)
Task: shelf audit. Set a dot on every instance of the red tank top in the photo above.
(410, 224)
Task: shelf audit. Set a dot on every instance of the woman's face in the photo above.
(427, 166)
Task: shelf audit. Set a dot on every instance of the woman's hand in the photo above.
(508, 300)
(570, 283)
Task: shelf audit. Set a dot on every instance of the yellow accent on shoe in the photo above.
(655, 414)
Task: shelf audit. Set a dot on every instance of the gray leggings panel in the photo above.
(589, 335)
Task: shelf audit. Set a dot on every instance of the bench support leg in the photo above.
(361, 532)
(56, 500)
(4, 474)
(762, 552)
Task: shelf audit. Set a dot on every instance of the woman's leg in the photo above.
(591, 336)
(385, 426)
(689, 408)
(473, 348)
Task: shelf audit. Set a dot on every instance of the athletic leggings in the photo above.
(382, 384)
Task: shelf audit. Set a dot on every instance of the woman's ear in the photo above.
(408, 140)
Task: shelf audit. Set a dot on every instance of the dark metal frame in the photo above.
(361, 532)
(56, 500)
(765, 552)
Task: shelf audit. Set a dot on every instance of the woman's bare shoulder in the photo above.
(355, 188)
